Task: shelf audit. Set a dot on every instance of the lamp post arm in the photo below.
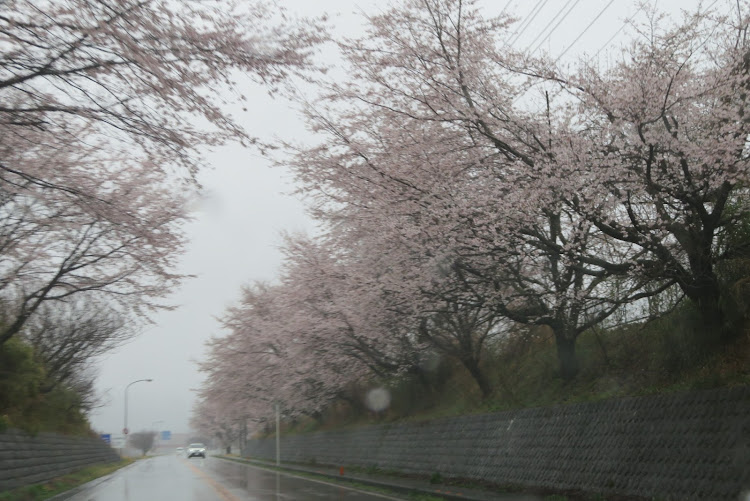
(125, 427)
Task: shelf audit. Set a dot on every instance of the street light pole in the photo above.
(125, 428)
(278, 437)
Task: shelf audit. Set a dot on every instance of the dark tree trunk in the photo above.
(706, 299)
(421, 375)
(566, 356)
(472, 366)
(701, 285)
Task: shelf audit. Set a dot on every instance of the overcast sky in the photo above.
(235, 236)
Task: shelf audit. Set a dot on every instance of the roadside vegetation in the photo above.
(33, 402)
(46, 490)
(666, 355)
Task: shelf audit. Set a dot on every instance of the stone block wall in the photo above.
(26, 459)
(682, 446)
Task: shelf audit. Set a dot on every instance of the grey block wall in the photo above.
(683, 446)
(26, 459)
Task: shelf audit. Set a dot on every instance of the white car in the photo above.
(180, 450)
(196, 450)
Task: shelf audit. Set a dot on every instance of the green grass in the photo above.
(46, 490)
(666, 355)
(25, 405)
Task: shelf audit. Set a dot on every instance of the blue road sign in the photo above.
(166, 435)
(107, 437)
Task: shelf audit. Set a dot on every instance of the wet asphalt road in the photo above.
(175, 478)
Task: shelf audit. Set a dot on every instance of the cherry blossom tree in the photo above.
(428, 146)
(463, 332)
(268, 358)
(142, 72)
(213, 418)
(345, 310)
(302, 343)
(663, 145)
(420, 305)
(54, 249)
(105, 107)
(454, 202)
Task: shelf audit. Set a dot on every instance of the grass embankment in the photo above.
(46, 490)
(30, 400)
(665, 355)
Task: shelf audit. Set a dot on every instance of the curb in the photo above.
(447, 495)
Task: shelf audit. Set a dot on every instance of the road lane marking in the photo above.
(362, 491)
(220, 489)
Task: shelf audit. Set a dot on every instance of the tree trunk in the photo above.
(566, 356)
(473, 367)
(701, 286)
(709, 306)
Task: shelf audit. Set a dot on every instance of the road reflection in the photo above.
(264, 485)
(162, 477)
(175, 477)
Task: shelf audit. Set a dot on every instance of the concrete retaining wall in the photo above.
(26, 460)
(686, 446)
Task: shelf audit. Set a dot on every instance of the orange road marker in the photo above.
(220, 489)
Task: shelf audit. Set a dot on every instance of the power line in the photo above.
(549, 23)
(585, 30)
(522, 27)
(624, 23)
(506, 6)
(628, 20)
(555, 27)
(531, 18)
